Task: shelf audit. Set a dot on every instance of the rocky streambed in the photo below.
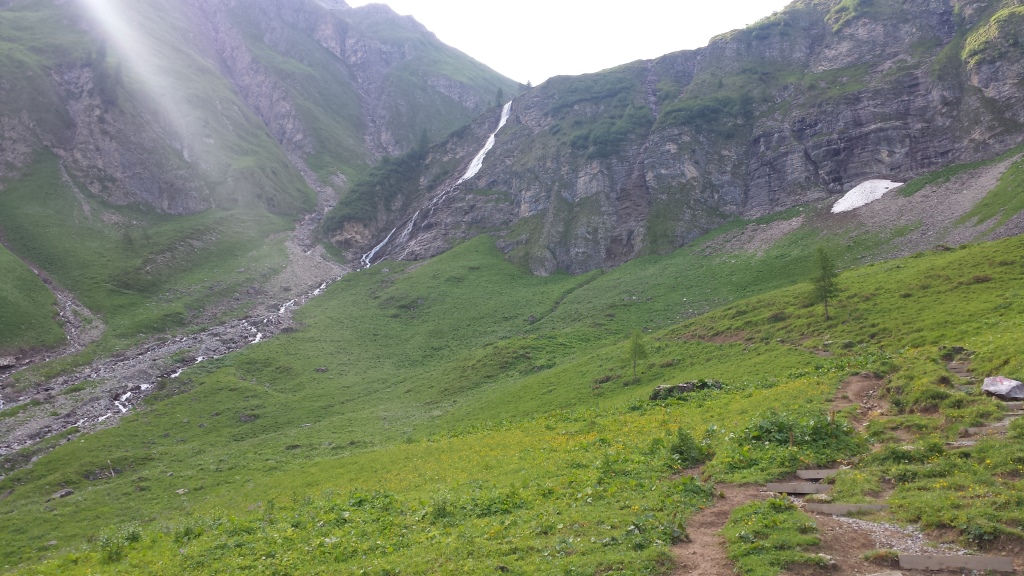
(97, 395)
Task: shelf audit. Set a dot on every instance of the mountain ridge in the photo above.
(597, 169)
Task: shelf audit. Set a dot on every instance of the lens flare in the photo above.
(121, 26)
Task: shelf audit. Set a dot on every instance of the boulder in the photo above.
(8, 362)
(61, 494)
(1003, 388)
(666, 391)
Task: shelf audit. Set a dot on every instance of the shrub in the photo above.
(687, 452)
(114, 542)
(775, 443)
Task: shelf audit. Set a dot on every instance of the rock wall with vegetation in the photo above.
(593, 170)
(185, 106)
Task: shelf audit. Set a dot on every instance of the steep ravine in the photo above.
(110, 387)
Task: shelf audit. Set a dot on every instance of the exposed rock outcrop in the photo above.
(597, 169)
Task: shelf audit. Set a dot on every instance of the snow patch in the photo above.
(863, 194)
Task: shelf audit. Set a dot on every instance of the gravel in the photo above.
(904, 539)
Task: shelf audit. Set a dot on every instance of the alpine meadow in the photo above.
(293, 287)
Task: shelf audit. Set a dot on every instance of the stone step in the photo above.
(844, 509)
(816, 474)
(1014, 405)
(797, 487)
(987, 431)
(967, 388)
(961, 444)
(937, 562)
(959, 368)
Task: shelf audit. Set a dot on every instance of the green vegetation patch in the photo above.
(996, 39)
(944, 175)
(766, 537)
(1004, 201)
(27, 308)
(141, 271)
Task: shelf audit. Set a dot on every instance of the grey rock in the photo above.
(866, 107)
(64, 493)
(666, 391)
(1003, 388)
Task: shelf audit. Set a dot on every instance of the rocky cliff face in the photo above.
(594, 170)
(224, 102)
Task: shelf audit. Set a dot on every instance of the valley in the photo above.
(292, 287)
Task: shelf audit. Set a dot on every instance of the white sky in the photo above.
(532, 40)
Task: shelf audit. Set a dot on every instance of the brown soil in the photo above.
(705, 554)
(861, 390)
(846, 546)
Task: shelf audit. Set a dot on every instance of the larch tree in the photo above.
(825, 280)
(636, 349)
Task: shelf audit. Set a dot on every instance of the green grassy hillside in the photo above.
(463, 413)
(141, 271)
(27, 308)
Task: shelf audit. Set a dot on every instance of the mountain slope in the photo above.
(149, 149)
(29, 311)
(445, 450)
(182, 106)
(591, 171)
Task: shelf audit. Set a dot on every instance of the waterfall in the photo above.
(478, 161)
(408, 229)
(367, 258)
(474, 167)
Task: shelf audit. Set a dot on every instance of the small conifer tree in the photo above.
(636, 350)
(825, 280)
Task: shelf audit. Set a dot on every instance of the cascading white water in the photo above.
(478, 161)
(408, 229)
(474, 167)
(367, 258)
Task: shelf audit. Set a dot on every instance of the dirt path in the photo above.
(861, 390)
(705, 554)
